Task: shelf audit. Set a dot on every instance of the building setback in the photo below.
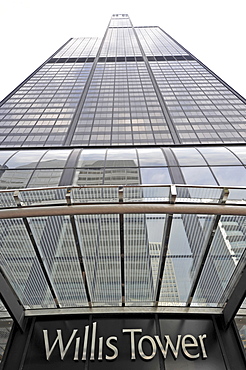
(122, 190)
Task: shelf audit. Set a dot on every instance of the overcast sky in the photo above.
(213, 30)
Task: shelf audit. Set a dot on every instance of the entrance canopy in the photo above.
(152, 248)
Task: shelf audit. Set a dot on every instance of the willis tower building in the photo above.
(122, 191)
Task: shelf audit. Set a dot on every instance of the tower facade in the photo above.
(132, 119)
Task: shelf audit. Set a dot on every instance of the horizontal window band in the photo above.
(169, 58)
(72, 60)
(122, 59)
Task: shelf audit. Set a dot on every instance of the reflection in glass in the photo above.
(92, 158)
(21, 267)
(25, 159)
(219, 156)
(121, 158)
(151, 157)
(227, 247)
(188, 238)
(138, 273)
(54, 159)
(176, 280)
(54, 237)
(155, 228)
(88, 176)
(100, 244)
(45, 178)
(121, 176)
(15, 179)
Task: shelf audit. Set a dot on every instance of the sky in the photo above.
(31, 31)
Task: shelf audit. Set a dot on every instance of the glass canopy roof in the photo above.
(119, 246)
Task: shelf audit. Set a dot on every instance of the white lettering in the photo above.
(111, 346)
(93, 341)
(192, 347)
(140, 347)
(85, 343)
(193, 344)
(100, 350)
(168, 343)
(201, 337)
(132, 331)
(76, 352)
(58, 339)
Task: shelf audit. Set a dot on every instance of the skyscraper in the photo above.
(93, 144)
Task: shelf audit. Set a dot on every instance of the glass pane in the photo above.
(25, 159)
(54, 237)
(21, 267)
(219, 156)
(176, 279)
(151, 157)
(189, 236)
(15, 179)
(45, 178)
(240, 151)
(88, 176)
(228, 246)
(155, 176)
(122, 176)
(121, 158)
(230, 176)
(188, 157)
(4, 156)
(155, 228)
(100, 244)
(139, 285)
(54, 159)
(92, 158)
(198, 176)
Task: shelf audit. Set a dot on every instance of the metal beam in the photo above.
(11, 302)
(163, 255)
(122, 249)
(238, 289)
(184, 208)
(164, 246)
(124, 310)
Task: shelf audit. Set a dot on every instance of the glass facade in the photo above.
(136, 86)
(122, 120)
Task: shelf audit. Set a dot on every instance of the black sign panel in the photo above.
(197, 344)
(125, 342)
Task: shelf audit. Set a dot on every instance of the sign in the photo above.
(123, 342)
(185, 342)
